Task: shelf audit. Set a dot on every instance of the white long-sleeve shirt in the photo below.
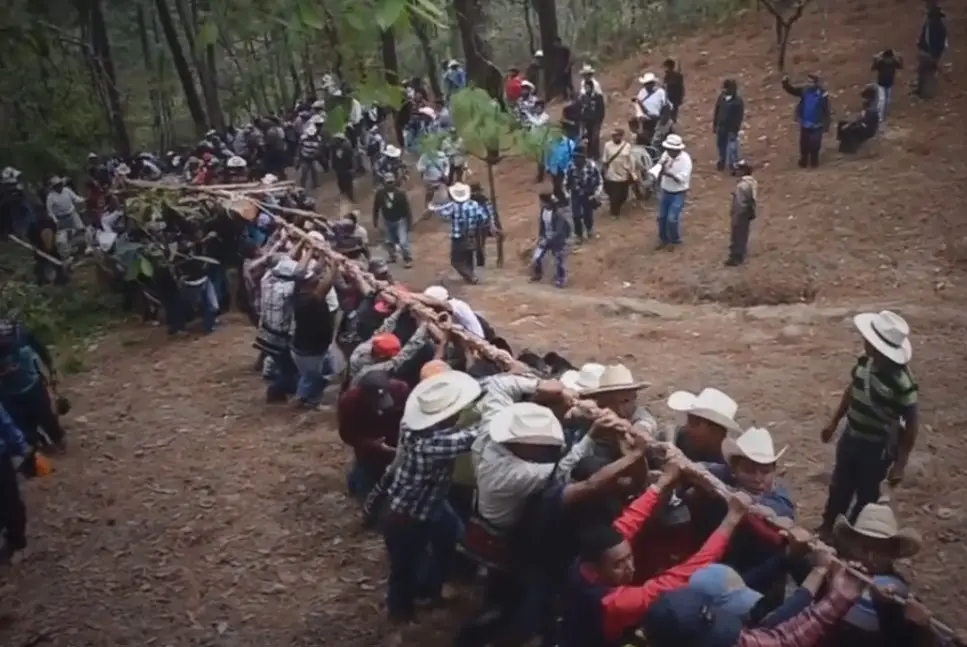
(464, 315)
(63, 203)
(678, 176)
(504, 481)
(652, 104)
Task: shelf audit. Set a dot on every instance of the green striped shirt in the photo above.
(873, 412)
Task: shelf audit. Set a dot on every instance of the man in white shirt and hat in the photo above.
(615, 388)
(463, 314)
(877, 417)
(674, 170)
(650, 103)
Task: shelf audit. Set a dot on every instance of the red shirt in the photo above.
(624, 606)
(513, 88)
(367, 432)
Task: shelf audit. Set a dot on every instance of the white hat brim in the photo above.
(634, 386)
(731, 449)
(684, 402)
(499, 431)
(906, 543)
(864, 324)
(417, 420)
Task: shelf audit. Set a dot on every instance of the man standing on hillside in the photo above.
(726, 124)
(813, 114)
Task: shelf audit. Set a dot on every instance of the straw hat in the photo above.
(888, 333)
(673, 143)
(648, 77)
(459, 192)
(710, 404)
(527, 423)
(878, 522)
(439, 397)
(616, 378)
(755, 444)
(584, 379)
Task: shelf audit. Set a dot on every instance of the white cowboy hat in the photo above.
(888, 333)
(236, 162)
(586, 378)
(673, 143)
(318, 105)
(755, 444)
(527, 423)
(317, 235)
(527, 84)
(427, 111)
(122, 169)
(539, 53)
(648, 77)
(877, 521)
(710, 404)
(439, 397)
(437, 292)
(616, 378)
(453, 63)
(392, 151)
(311, 130)
(586, 69)
(268, 178)
(459, 192)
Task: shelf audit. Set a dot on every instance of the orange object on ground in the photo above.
(43, 466)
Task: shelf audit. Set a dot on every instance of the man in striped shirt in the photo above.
(466, 218)
(877, 415)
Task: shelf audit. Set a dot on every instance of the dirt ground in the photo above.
(188, 512)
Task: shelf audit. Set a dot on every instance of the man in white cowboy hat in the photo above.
(617, 389)
(62, 205)
(419, 515)
(462, 313)
(877, 414)
(650, 102)
(589, 84)
(454, 79)
(518, 444)
(466, 217)
(709, 417)
(674, 171)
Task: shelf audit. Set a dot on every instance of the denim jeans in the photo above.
(361, 480)
(314, 372)
(195, 296)
(219, 280)
(308, 175)
(583, 212)
(398, 235)
(283, 378)
(728, 147)
(884, 97)
(670, 217)
(420, 553)
(537, 263)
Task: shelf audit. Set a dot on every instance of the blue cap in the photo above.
(726, 588)
(689, 618)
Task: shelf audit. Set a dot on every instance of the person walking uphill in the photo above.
(393, 205)
(619, 169)
(466, 217)
(553, 230)
(675, 178)
(744, 200)
(726, 124)
(877, 417)
(814, 115)
(583, 181)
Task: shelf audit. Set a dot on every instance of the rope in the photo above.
(420, 306)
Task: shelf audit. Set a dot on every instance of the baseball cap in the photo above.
(377, 385)
(726, 588)
(688, 618)
(386, 345)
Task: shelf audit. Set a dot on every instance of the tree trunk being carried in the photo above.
(473, 22)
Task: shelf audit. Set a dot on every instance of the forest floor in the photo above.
(188, 512)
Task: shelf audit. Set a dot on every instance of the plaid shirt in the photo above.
(407, 352)
(803, 630)
(584, 181)
(421, 483)
(465, 218)
(275, 304)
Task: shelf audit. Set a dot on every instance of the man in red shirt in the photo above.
(369, 417)
(513, 86)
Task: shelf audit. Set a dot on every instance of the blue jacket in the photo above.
(12, 441)
(20, 364)
(560, 155)
(810, 99)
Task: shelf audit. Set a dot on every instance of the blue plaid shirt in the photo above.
(584, 181)
(465, 217)
(422, 482)
(12, 442)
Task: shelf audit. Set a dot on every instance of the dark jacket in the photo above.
(592, 108)
(729, 114)
(674, 87)
(824, 107)
(555, 236)
(933, 35)
(392, 204)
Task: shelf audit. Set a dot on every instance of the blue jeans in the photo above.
(583, 212)
(283, 377)
(728, 147)
(398, 235)
(537, 263)
(670, 217)
(314, 372)
(219, 280)
(420, 553)
(192, 296)
(361, 480)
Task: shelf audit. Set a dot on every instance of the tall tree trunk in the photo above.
(92, 13)
(546, 11)
(474, 24)
(391, 64)
(149, 66)
(181, 66)
(426, 48)
(188, 15)
(333, 37)
(529, 24)
(289, 59)
(307, 72)
(208, 70)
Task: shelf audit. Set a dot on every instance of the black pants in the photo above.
(861, 465)
(462, 258)
(851, 136)
(13, 512)
(557, 181)
(593, 133)
(344, 180)
(810, 142)
(32, 411)
(617, 193)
